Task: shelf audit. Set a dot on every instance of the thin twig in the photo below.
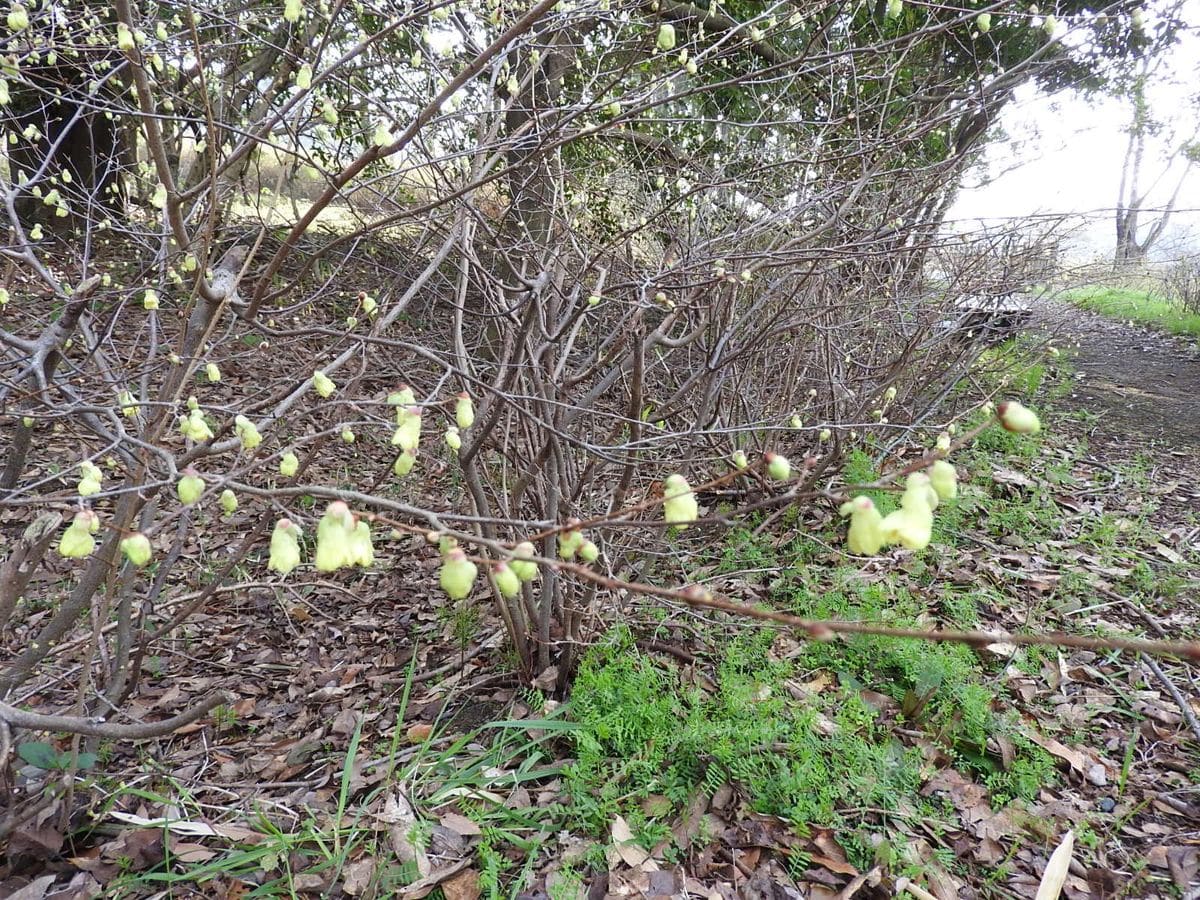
(1185, 708)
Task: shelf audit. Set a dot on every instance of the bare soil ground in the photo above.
(1144, 386)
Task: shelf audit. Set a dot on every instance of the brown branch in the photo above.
(824, 629)
(134, 732)
(712, 20)
(23, 561)
(1185, 708)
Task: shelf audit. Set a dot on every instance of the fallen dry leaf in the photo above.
(192, 853)
(1074, 758)
(35, 890)
(398, 815)
(425, 886)
(460, 825)
(1056, 870)
(357, 876)
(463, 886)
(623, 845)
(419, 733)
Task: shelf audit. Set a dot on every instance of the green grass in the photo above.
(467, 772)
(651, 740)
(1143, 307)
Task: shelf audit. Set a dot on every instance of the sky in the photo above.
(1063, 154)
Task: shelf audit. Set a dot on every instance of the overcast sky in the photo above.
(1064, 155)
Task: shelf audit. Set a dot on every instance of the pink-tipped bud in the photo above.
(778, 467)
(1017, 418)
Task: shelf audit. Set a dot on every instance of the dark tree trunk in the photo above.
(1128, 250)
(78, 131)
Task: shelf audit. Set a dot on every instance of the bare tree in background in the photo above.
(1139, 226)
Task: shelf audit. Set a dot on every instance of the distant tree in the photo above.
(1138, 226)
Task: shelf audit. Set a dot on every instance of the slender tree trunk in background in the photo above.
(536, 175)
(1131, 199)
(1128, 201)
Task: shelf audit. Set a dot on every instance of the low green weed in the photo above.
(648, 740)
(860, 469)
(1138, 306)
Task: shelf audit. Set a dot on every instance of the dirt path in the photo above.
(1144, 386)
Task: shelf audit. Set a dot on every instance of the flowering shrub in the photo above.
(608, 273)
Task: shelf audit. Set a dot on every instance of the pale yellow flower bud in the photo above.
(1017, 418)
(247, 432)
(778, 467)
(137, 549)
(18, 18)
(289, 464)
(679, 504)
(944, 479)
(77, 541)
(911, 527)
(457, 575)
(193, 427)
(569, 543)
(323, 384)
(190, 487)
(403, 398)
(285, 547)
(334, 532)
(404, 463)
(362, 551)
(865, 536)
(918, 490)
(464, 412)
(522, 553)
(408, 432)
(507, 582)
(125, 42)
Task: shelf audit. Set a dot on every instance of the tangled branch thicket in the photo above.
(640, 237)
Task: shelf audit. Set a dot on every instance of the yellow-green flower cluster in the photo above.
(911, 525)
(343, 539)
(79, 539)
